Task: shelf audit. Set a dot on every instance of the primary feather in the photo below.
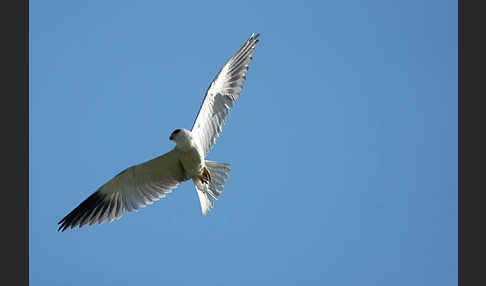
(221, 94)
(131, 189)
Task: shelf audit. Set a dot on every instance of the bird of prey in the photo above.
(142, 184)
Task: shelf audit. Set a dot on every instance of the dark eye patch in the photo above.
(176, 131)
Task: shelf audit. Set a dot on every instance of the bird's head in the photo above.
(180, 136)
(174, 133)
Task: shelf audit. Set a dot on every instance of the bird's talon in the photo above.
(205, 176)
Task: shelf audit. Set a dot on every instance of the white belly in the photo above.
(192, 161)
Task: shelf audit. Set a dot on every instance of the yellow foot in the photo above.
(205, 177)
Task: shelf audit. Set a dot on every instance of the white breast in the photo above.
(190, 153)
(192, 161)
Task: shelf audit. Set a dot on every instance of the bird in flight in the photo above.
(142, 184)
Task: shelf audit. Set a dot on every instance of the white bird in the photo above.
(142, 184)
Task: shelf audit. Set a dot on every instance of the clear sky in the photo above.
(343, 143)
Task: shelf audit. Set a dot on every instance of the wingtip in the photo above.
(61, 225)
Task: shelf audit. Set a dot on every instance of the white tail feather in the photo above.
(219, 174)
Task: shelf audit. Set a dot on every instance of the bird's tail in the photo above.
(219, 174)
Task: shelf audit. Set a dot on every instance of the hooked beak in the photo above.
(171, 137)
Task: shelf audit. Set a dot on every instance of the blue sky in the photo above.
(343, 143)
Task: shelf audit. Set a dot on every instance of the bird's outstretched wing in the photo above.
(133, 188)
(221, 94)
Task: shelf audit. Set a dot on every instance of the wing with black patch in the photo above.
(131, 189)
